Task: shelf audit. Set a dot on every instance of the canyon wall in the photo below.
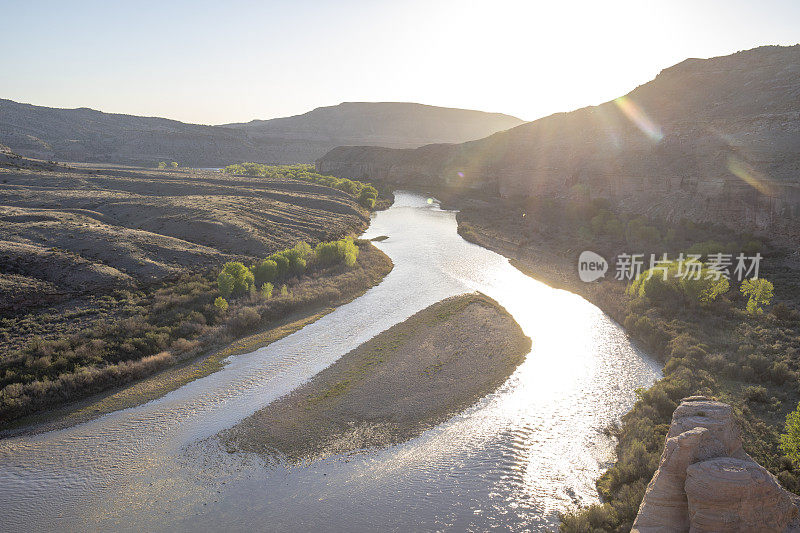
(714, 140)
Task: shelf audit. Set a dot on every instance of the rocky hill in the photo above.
(87, 135)
(708, 139)
(391, 124)
(706, 482)
(69, 231)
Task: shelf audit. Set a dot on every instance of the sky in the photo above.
(234, 61)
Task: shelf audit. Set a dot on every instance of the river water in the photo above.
(510, 462)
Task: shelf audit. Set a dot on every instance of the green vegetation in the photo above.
(366, 194)
(702, 332)
(175, 321)
(162, 165)
(790, 441)
(687, 281)
(236, 280)
(759, 293)
(344, 251)
(221, 303)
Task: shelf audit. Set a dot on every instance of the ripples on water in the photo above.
(512, 461)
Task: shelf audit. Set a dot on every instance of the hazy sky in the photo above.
(230, 61)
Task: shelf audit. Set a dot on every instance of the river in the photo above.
(510, 462)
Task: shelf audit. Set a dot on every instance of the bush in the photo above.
(756, 393)
(784, 312)
(244, 320)
(235, 280)
(221, 303)
(266, 290)
(680, 283)
(282, 263)
(790, 441)
(759, 292)
(341, 251)
(266, 271)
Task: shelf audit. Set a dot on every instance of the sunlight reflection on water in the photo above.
(511, 461)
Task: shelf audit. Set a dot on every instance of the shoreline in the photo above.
(209, 361)
(411, 377)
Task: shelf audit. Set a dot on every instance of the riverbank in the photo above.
(749, 361)
(411, 377)
(310, 299)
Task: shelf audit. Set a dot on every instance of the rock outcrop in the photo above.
(707, 483)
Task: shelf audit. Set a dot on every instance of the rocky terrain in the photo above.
(708, 139)
(66, 231)
(707, 483)
(87, 135)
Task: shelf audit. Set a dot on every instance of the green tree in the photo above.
(162, 165)
(698, 286)
(221, 303)
(790, 441)
(265, 271)
(341, 251)
(235, 280)
(283, 264)
(174, 164)
(225, 283)
(759, 292)
(266, 290)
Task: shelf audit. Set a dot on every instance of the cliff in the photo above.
(707, 483)
(87, 135)
(713, 140)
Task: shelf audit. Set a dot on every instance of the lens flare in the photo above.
(460, 174)
(637, 115)
(751, 176)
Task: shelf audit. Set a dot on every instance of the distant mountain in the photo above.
(391, 124)
(93, 136)
(708, 139)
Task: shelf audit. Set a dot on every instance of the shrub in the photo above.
(790, 441)
(756, 393)
(244, 320)
(759, 292)
(341, 251)
(784, 312)
(698, 286)
(266, 290)
(282, 262)
(221, 303)
(225, 283)
(235, 280)
(266, 271)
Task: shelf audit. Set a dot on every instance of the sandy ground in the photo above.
(391, 388)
